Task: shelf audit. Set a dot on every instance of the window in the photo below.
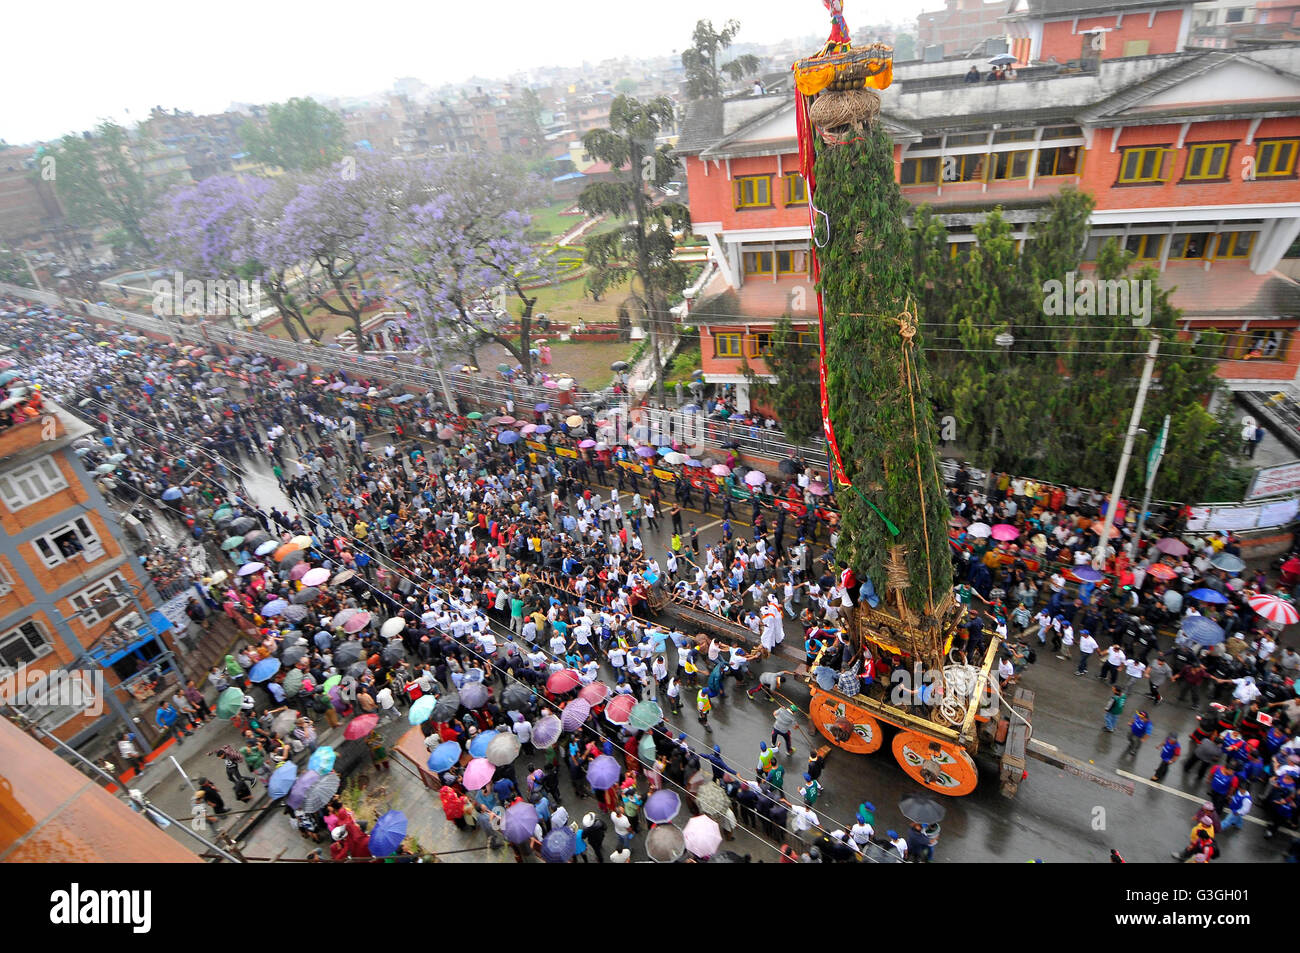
(1136, 47)
(967, 168)
(1062, 132)
(920, 171)
(1009, 165)
(1276, 157)
(968, 139)
(809, 339)
(1234, 15)
(24, 644)
(1256, 344)
(753, 191)
(1235, 245)
(726, 345)
(960, 251)
(796, 189)
(1063, 160)
(6, 584)
(1145, 164)
(1207, 161)
(26, 485)
(792, 261)
(931, 142)
(760, 343)
(1190, 246)
(757, 262)
(1145, 247)
(67, 541)
(98, 602)
(1013, 135)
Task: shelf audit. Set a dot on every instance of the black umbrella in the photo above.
(256, 537)
(922, 810)
(292, 655)
(347, 653)
(223, 517)
(789, 466)
(516, 697)
(881, 855)
(243, 524)
(292, 559)
(357, 669)
(447, 706)
(619, 366)
(394, 653)
(305, 596)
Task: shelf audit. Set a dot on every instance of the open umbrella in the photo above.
(712, 799)
(1205, 594)
(508, 437)
(574, 714)
(1005, 532)
(720, 469)
(1002, 59)
(619, 709)
(818, 489)
(473, 694)
(1172, 547)
(228, 705)
(321, 793)
(342, 577)
(292, 559)
(1228, 563)
(645, 715)
(479, 744)
(665, 844)
(341, 617)
(357, 622)
(645, 748)
(387, 834)
(421, 709)
(360, 726)
(392, 627)
(1275, 609)
(519, 822)
(702, 836)
(516, 697)
(446, 433)
(444, 756)
(249, 568)
(477, 773)
(1202, 631)
(565, 680)
(503, 749)
(447, 706)
(547, 731)
(298, 793)
(543, 429)
(755, 478)
(979, 530)
(603, 772)
(281, 781)
(322, 759)
(273, 609)
(559, 846)
(315, 577)
(1087, 574)
(172, 493)
(298, 571)
(347, 653)
(662, 806)
(243, 524)
(264, 670)
(232, 543)
(595, 693)
(921, 810)
(266, 548)
(1161, 571)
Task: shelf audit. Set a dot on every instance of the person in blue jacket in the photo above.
(1169, 753)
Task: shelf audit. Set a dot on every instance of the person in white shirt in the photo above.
(1111, 664)
(1087, 645)
(1134, 672)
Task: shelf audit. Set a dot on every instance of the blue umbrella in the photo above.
(282, 780)
(274, 607)
(507, 437)
(558, 847)
(1087, 574)
(478, 747)
(387, 834)
(542, 408)
(665, 450)
(543, 429)
(444, 756)
(264, 670)
(1205, 594)
(322, 759)
(172, 493)
(1202, 631)
(298, 793)
(322, 639)
(421, 710)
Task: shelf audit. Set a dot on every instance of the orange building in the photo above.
(1062, 31)
(1191, 157)
(78, 649)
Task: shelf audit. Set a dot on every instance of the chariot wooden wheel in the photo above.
(845, 724)
(941, 766)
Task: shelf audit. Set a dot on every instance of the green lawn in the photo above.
(550, 218)
(587, 363)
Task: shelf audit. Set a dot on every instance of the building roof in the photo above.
(1084, 8)
(1206, 294)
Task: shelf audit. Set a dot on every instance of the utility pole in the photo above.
(1117, 490)
(1153, 464)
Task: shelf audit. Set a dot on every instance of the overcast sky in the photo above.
(69, 65)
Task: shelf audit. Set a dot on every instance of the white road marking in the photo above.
(1183, 794)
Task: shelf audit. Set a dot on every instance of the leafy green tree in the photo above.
(700, 60)
(792, 389)
(640, 253)
(299, 136)
(877, 379)
(904, 47)
(101, 179)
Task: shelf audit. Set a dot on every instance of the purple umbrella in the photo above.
(645, 451)
(559, 846)
(298, 793)
(249, 568)
(1087, 574)
(542, 408)
(603, 773)
(662, 806)
(543, 428)
(547, 731)
(587, 444)
(473, 694)
(574, 714)
(507, 437)
(519, 822)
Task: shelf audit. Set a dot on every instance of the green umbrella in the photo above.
(474, 416)
(331, 682)
(292, 683)
(646, 749)
(234, 542)
(228, 705)
(645, 715)
(232, 666)
(222, 512)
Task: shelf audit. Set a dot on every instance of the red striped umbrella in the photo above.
(1161, 571)
(1275, 609)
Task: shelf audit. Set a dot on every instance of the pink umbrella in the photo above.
(249, 568)
(300, 570)
(755, 478)
(818, 489)
(574, 714)
(587, 444)
(478, 773)
(357, 622)
(1005, 531)
(1275, 609)
(314, 577)
(720, 469)
(619, 709)
(594, 693)
(1172, 547)
(702, 835)
(360, 726)
(526, 429)
(565, 680)
(550, 385)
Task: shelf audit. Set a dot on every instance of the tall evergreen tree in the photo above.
(792, 388)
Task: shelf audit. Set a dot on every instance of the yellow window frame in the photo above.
(1149, 246)
(727, 344)
(1007, 161)
(1136, 158)
(1213, 162)
(757, 258)
(796, 189)
(1227, 247)
(753, 191)
(1276, 157)
(918, 164)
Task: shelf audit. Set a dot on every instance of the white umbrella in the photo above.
(392, 627)
(979, 530)
(755, 478)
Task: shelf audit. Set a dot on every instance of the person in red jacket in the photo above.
(453, 806)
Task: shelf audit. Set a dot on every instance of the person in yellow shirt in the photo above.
(360, 529)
